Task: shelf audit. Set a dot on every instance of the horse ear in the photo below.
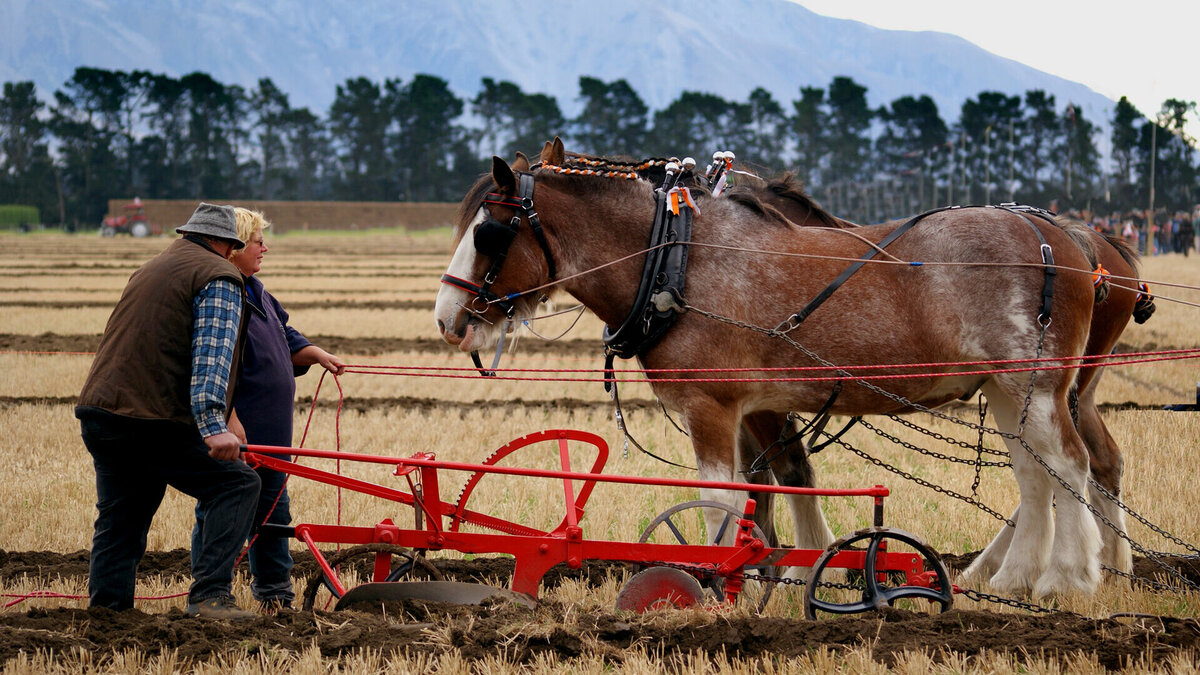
(503, 176)
(554, 153)
(521, 163)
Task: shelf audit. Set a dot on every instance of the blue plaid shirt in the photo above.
(218, 311)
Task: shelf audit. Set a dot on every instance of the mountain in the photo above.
(725, 47)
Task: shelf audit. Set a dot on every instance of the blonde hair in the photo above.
(249, 223)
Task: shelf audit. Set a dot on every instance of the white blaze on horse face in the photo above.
(448, 309)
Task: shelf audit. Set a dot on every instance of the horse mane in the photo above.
(471, 203)
(787, 188)
(1127, 251)
(749, 198)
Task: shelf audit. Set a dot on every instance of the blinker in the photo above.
(493, 238)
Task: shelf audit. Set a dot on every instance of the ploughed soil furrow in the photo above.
(553, 630)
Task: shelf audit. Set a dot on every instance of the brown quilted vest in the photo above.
(143, 366)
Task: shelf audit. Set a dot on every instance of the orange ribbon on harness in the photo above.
(676, 194)
(1099, 275)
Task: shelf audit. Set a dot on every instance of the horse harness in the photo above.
(659, 298)
(493, 239)
(817, 425)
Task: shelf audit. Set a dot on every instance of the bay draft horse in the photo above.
(1121, 300)
(977, 298)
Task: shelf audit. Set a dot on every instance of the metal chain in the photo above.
(926, 451)
(977, 448)
(775, 333)
(1142, 519)
(1156, 585)
(926, 484)
(979, 596)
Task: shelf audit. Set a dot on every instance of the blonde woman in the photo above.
(274, 355)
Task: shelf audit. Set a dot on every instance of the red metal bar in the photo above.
(876, 491)
(564, 458)
(535, 555)
(254, 459)
(302, 531)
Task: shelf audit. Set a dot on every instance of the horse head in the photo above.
(500, 252)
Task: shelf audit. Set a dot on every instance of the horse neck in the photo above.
(592, 230)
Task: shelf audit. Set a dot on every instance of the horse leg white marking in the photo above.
(811, 529)
(714, 431)
(1114, 549)
(1028, 547)
(1075, 565)
(989, 560)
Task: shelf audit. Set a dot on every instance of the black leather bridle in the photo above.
(493, 239)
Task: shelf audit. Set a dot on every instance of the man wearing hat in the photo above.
(153, 413)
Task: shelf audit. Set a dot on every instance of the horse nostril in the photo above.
(441, 327)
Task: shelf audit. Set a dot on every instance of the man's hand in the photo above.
(235, 426)
(224, 446)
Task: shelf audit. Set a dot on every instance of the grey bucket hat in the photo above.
(214, 220)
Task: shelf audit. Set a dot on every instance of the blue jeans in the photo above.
(135, 461)
(270, 557)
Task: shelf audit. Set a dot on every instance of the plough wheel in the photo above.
(666, 521)
(410, 566)
(877, 589)
(659, 588)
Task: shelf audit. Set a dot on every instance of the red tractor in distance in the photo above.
(133, 223)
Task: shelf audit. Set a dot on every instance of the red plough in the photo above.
(880, 574)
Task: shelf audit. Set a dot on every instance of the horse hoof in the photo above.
(1056, 582)
(1013, 581)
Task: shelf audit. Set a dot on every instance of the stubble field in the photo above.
(369, 298)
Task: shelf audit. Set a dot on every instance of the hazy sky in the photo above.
(1148, 50)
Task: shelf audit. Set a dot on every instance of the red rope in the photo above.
(1045, 363)
(465, 373)
(936, 364)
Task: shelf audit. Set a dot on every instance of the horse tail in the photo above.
(1144, 308)
(1122, 246)
(1083, 236)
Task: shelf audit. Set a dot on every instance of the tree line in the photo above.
(112, 133)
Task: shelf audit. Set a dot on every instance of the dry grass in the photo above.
(49, 491)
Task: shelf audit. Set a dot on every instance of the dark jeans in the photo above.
(270, 558)
(135, 461)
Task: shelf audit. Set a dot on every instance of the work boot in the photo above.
(220, 607)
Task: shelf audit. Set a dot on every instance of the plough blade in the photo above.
(456, 592)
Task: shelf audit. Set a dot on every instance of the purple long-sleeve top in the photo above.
(266, 390)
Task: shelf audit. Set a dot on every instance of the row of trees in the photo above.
(114, 133)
